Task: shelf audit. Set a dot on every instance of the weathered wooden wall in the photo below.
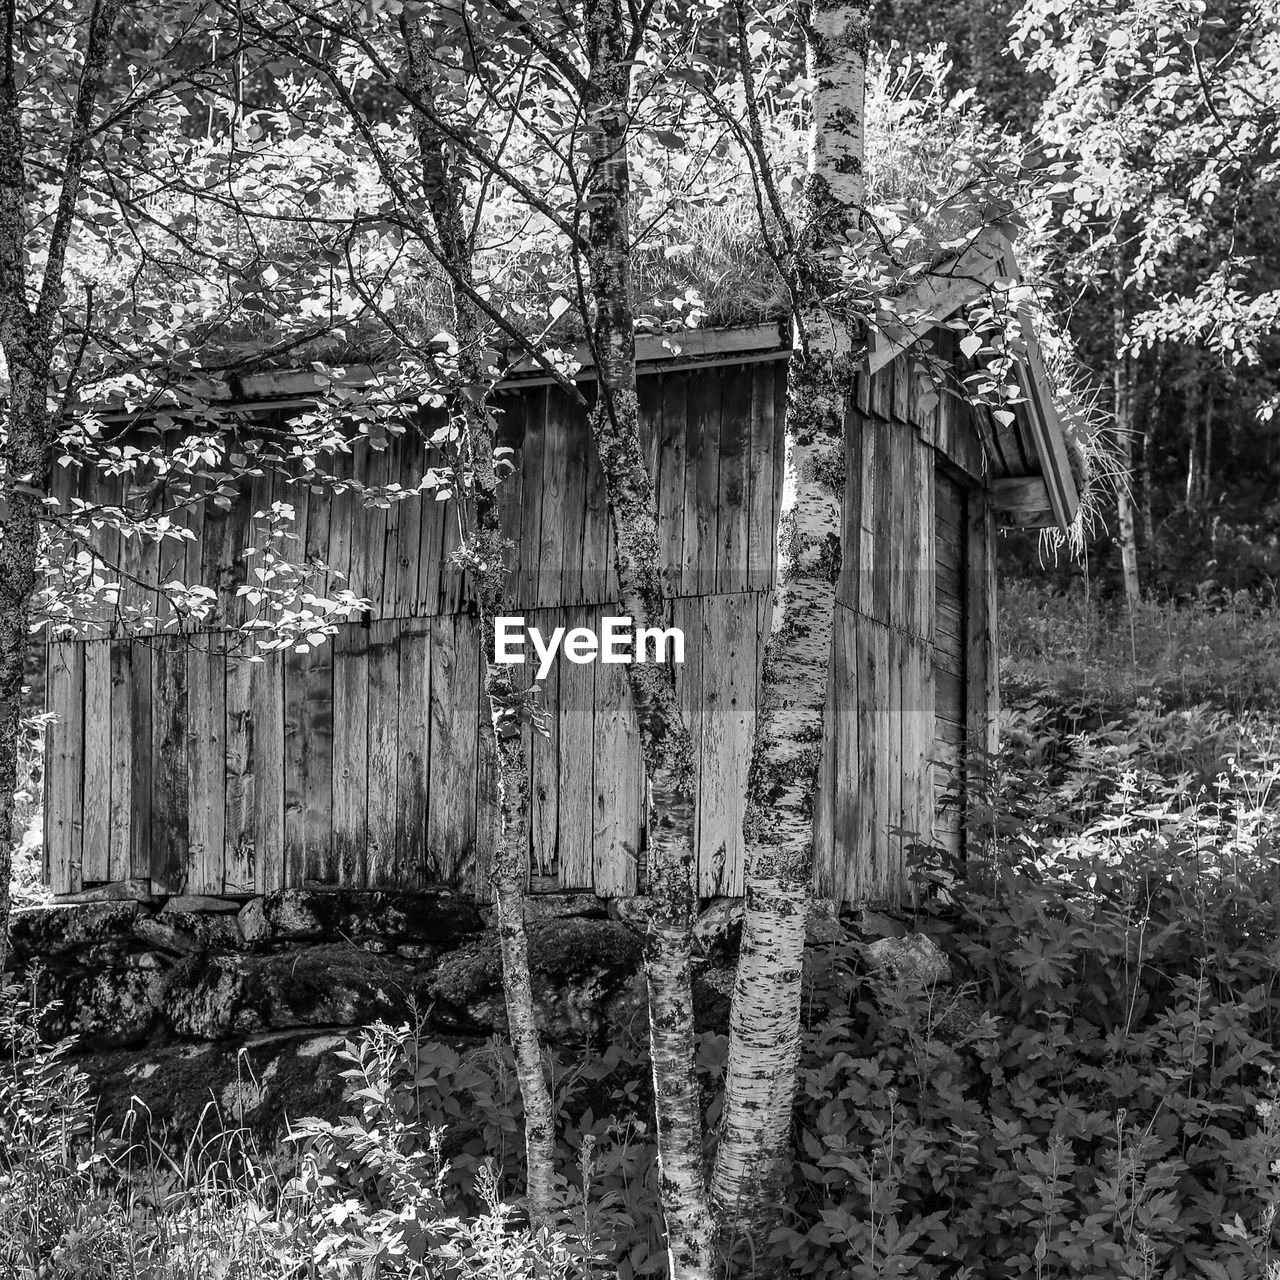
(364, 762)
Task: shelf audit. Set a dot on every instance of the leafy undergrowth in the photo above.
(1094, 1095)
(1097, 1093)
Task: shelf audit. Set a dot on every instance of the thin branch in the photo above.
(102, 21)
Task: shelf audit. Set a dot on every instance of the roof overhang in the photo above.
(1031, 485)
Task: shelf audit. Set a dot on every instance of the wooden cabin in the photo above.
(362, 763)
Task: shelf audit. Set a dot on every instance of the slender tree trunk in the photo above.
(479, 490)
(668, 750)
(778, 830)
(1206, 455)
(26, 338)
(1122, 404)
(1122, 408)
(24, 475)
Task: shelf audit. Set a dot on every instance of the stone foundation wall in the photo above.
(181, 1002)
(184, 1001)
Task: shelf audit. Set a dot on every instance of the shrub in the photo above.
(379, 1186)
(1098, 1093)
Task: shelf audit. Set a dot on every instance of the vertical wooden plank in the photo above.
(540, 406)
(862, 393)
(866, 818)
(308, 767)
(431, 524)
(350, 754)
(205, 558)
(615, 836)
(882, 394)
(141, 703)
(649, 394)
(544, 779)
(917, 749)
(734, 499)
(230, 567)
(869, 493)
(454, 724)
(557, 545)
(319, 868)
(295, 771)
(576, 765)
(901, 607)
(599, 577)
(901, 407)
(387, 602)
(853, 853)
(976, 622)
(382, 753)
(511, 486)
(851, 510)
(573, 515)
(886, 550)
(267, 702)
(369, 555)
(239, 860)
(688, 613)
(727, 725)
(413, 754)
(64, 770)
(169, 827)
(884, 781)
(892, 746)
(923, 533)
(343, 505)
(701, 485)
(924, 407)
(95, 840)
(760, 478)
(123, 735)
(828, 874)
(670, 482)
(206, 766)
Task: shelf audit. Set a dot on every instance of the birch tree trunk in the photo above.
(668, 750)
(480, 491)
(1125, 506)
(27, 317)
(764, 1020)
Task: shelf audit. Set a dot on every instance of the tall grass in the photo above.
(1222, 648)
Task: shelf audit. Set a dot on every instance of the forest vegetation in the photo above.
(195, 192)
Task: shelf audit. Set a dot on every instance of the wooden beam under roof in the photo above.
(941, 293)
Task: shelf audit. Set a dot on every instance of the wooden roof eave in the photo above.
(655, 352)
(1055, 499)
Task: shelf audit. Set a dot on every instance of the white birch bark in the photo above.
(1125, 507)
(764, 1023)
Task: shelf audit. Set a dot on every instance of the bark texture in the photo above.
(429, 61)
(668, 751)
(27, 313)
(764, 1024)
(1126, 508)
